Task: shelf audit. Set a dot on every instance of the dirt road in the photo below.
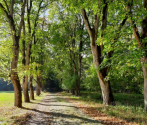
(55, 110)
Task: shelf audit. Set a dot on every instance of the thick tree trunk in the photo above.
(144, 68)
(31, 88)
(105, 85)
(106, 92)
(17, 91)
(14, 75)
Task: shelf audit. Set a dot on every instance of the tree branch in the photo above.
(136, 32)
(96, 24)
(10, 18)
(6, 6)
(35, 25)
(22, 17)
(117, 35)
(28, 16)
(120, 27)
(86, 21)
(11, 7)
(3, 8)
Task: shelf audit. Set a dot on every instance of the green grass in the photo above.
(6, 98)
(10, 114)
(129, 107)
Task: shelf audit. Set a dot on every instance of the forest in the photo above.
(76, 46)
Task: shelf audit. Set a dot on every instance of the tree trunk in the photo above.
(25, 90)
(17, 91)
(144, 68)
(106, 92)
(23, 55)
(31, 88)
(73, 91)
(79, 74)
(14, 75)
(105, 85)
(38, 87)
(38, 90)
(26, 94)
(23, 83)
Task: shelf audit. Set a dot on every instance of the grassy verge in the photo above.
(128, 107)
(6, 98)
(9, 113)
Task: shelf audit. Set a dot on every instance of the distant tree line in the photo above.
(6, 86)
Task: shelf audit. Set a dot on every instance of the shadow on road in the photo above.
(50, 117)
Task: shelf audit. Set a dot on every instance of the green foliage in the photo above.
(69, 82)
(90, 81)
(5, 56)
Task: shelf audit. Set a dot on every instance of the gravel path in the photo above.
(55, 110)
